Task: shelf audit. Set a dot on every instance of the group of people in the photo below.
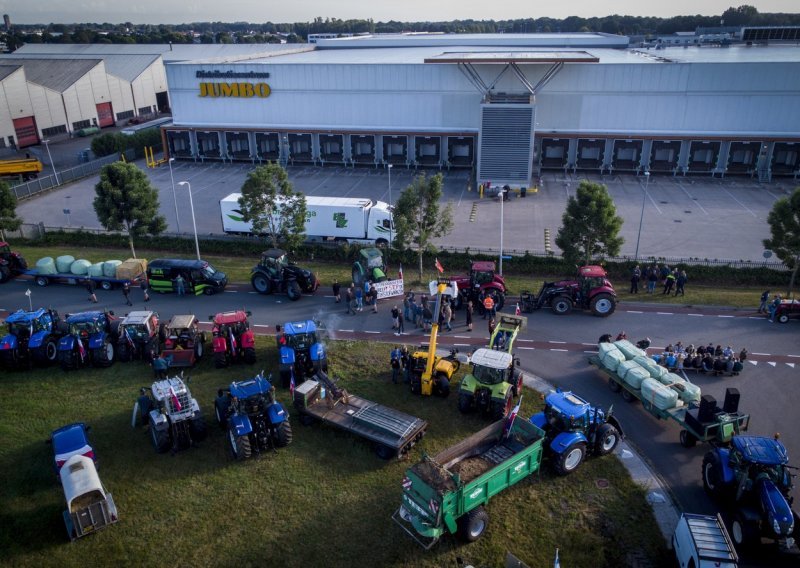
(769, 307)
(655, 274)
(126, 290)
(705, 359)
(400, 360)
(357, 296)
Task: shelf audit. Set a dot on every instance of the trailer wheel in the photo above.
(472, 525)
(688, 440)
(240, 445)
(607, 439)
(283, 434)
(561, 305)
(627, 396)
(41, 281)
(442, 385)
(614, 386)
(106, 285)
(384, 452)
(570, 459)
(712, 478)
(743, 531)
(465, 400)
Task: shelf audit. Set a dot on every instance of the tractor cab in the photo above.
(482, 272)
(274, 261)
(490, 367)
(140, 326)
(87, 324)
(592, 278)
(24, 324)
(568, 412)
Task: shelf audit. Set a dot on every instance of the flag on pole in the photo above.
(439, 266)
(517, 310)
(510, 420)
(128, 337)
(176, 404)
(81, 348)
(400, 272)
(234, 347)
(291, 383)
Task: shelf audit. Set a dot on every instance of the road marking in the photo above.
(531, 341)
(565, 350)
(252, 292)
(665, 313)
(589, 344)
(372, 332)
(696, 315)
(771, 363)
(558, 342)
(634, 312)
(231, 291)
(719, 316)
(752, 362)
(796, 356)
(791, 365)
(461, 344)
(739, 202)
(755, 318)
(345, 330)
(528, 348)
(765, 354)
(259, 325)
(462, 336)
(590, 351)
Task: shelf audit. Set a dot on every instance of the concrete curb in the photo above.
(665, 511)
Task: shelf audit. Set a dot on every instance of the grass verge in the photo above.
(325, 499)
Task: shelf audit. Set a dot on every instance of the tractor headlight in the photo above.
(776, 526)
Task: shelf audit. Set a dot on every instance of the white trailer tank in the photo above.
(350, 219)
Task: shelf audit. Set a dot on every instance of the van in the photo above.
(199, 276)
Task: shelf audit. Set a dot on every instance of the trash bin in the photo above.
(523, 191)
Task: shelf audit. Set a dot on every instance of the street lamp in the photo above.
(174, 196)
(49, 155)
(391, 219)
(641, 218)
(194, 225)
(502, 200)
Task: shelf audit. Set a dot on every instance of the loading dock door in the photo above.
(742, 156)
(105, 115)
(25, 129)
(703, 156)
(627, 155)
(664, 155)
(554, 153)
(460, 151)
(267, 146)
(590, 153)
(785, 158)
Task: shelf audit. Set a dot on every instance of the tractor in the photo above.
(574, 428)
(183, 341)
(139, 337)
(591, 290)
(300, 352)
(753, 478)
(172, 413)
(369, 266)
(32, 338)
(232, 339)
(254, 419)
(276, 274)
(11, 263)
(90, 339)
(481, 279)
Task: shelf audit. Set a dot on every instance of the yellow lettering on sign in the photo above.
(237, 90)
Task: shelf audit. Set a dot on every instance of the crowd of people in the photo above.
(705, 359)
(768, 306)
(654, 275)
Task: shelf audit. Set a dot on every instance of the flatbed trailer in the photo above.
(718, 430)
(392, 432)
(105, 282)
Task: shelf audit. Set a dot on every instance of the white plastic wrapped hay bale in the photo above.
(628, 349)
(110, 268)
(656, 371)
(46, 265)
(658, 395)
(612, 359)
(96, 269)
(671, 379)
(624, 367)
(687, 391)
(64, 262)
(636, 376)
(80, 267)
(603, 348)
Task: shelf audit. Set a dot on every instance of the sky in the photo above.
(175, 11)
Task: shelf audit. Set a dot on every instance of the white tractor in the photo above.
(172, 413)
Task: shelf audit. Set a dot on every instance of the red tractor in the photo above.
(591, 290)
(481, 278)
(233, 340)
(11, 263)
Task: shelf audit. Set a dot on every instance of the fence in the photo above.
(45, 183)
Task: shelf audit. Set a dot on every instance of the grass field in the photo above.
(238, 270)
(324, 500)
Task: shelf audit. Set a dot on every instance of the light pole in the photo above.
(174, 196)
(50, 156)
(391, 219)
(641, 218)
(194, 225)
(502, 200)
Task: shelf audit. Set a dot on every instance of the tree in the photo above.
(127, 202)
(784, 225)
(8, 211)
(270, 203)
(590, 225)
(418, 216)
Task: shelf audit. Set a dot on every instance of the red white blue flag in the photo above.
(175, 402)
(128, 337)
(234, 347)
(291, 383)
(511, 417)
(400, 272)
(81, 348)
(406, 483)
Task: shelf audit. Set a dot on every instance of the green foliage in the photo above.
(270, 203)
(8, 210)
(116, 142)
(590, 225)
(784, 225)
(126, 201)
(108, 143)
(419, 217)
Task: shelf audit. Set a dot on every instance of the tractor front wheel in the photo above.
(47, 354)
(607, 439)
(603, 305)
(712, 475)
(744, 532)
(67, 359)
(221, 410)
(160, 438)
(198, 428)
(472, 525)
(561, 305)
(283, 434)
(103, 356)
(293, 291)
(516, 387)
(10, 358)
(465, 400)
(570, 459)
(240, 445)
(500, 409)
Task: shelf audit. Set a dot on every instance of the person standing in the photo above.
(349, 300)
(90, 289)
(145, 290)
(488, 306)
(396, 364)
(180, 285)
(636, 275)
(407, 306)
(773, 307)
(395, 315)
(680, 282)
(491, 326)
(126, 292)
(337, 289)
(447, 315)
(400, 323)
(762, 308)
(470, 310)
(405, 359)
(360, 299)
(669, 281)
(652, 278)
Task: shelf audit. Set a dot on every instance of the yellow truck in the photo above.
(27, 168)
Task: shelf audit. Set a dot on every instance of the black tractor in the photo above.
(276, 274)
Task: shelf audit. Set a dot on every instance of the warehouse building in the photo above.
(507, 106)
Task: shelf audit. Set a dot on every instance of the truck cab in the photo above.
(379, 225)
(702, 541)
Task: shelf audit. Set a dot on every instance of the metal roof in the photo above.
(55, 74)
(514, 57)
(578, 39)
(127, 67)
(491, 358)
(7, 69)
(731, 54)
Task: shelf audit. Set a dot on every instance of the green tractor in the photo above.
(368, 266)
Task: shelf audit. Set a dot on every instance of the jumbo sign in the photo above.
(239, 90)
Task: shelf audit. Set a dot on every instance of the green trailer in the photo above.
(449, 492)
(713, 425)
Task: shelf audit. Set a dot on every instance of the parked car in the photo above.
(789, 309)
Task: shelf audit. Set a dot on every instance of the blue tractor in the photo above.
(255, 421)
(752, 477)
(32, 338)
(574, 428)
(300, 352)
(90, 340)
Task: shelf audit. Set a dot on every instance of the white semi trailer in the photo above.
(348, 219)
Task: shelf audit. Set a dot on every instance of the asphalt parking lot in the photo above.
(683, 216)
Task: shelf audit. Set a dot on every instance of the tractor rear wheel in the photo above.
(240, 445)
(293, 290)
(500, 409)
(516, 386)
(607, 439)
(10, 358)
(465, 400)
(712, 475)
(603, 305)
(160, 438)
(198, 428)
(47, 353)
(283, 434)
(384, 452)
(442, 385)
(249, 355)
(261, 283)
(220, 361)
(570, 459)
(472, 525)
(199, 348)
(743, 532)
(561, 305)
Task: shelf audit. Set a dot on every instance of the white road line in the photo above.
(755, 318)
(720, 316)
(259, 325)
(551, 349)
(665, 313)
(739, 202)
(345, 330)
(531, 341)
(696, 315)
(771, 363)
(528, 348)
(252, 292)
(590, 351)
(764, 354)
(589, 344)
(752, 362)
(461, 336)
(694, 201)
(461, 344)
(558, 342)
(372, 332)
(231, 291)
(634, 312)
(791, 365)
(796, 356)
